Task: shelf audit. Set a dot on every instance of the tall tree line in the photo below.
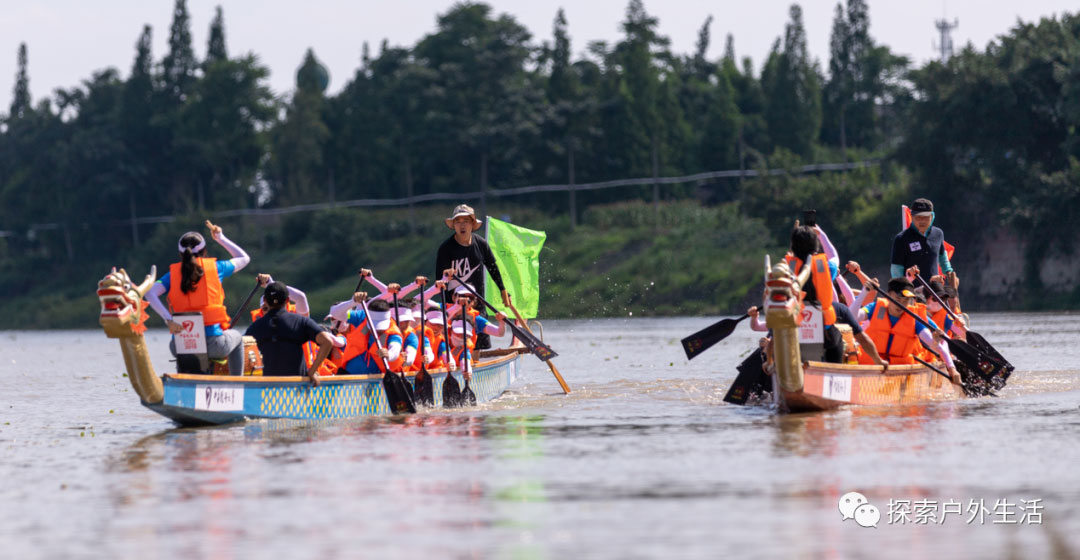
(480, 104)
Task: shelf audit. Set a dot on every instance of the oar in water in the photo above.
(974, 338)
(397, 396)
(451, 391)
(535, 345)
(704, 339)
(550, 364)
(425, 387)
(964, 353)
(397, 321)
(751, 380)
(244, 305)
(467, 395)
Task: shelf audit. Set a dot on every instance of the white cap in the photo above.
(403, 314)
(462, 291)
(381, 319)
(434, 316)
(457, 327)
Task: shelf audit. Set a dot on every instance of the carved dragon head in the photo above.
(783, 297)
(122, 306)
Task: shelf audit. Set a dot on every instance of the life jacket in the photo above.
(920, 350)
(881, 329)
(821, 279)
(256, 314)
(419, 360)
(358, 341)
(206, 297)
(311, 351)
(939, 319)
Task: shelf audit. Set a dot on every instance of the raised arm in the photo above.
(240, 259)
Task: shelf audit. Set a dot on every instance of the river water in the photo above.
(642, 460)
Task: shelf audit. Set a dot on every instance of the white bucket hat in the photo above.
(463, 210)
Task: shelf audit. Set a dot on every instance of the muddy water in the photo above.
(642, 460)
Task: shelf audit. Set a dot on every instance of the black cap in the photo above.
(902, 286)
(276, 294)
(921, 206)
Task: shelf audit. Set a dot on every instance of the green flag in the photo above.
(517, 251)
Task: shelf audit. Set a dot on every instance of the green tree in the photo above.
(793, 93)
(20, 101)
(178, 66)
(298, 142)
(215, 47)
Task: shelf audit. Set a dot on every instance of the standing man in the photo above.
(465, 252)
(921, 245)
(281, 336)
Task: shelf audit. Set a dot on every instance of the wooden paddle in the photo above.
(397, 321)
(397, 395)
(451, 391)
(535, 345)
(243, 306)
(704, 339)
(467, 395)
(425, 387)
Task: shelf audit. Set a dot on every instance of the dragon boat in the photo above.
(800, 385)
(195, 399)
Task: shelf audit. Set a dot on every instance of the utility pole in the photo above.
(944, 45)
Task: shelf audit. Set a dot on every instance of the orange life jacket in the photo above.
(358, 342)
(415, 365)
(207, 297)
(256, 314)
(939, 319)
(921, 351)
(821, 278)
(904, 340)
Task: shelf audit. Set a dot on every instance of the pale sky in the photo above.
(69, 39)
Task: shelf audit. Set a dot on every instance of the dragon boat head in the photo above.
(122, 306)
(783, 314)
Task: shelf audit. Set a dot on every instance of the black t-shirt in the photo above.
(845, 316)
(466, 262)
(280, 336)
(911, 248)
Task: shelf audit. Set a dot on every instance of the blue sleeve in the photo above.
(919, 328)
(225, 269)
(834, 270)
(412, 340)
(392, 338)
(869, 309)
(943, 260)
(481, 323)
(356, 317)
(164, 280)
(948, 323)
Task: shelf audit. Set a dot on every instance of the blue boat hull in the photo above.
(219, 399)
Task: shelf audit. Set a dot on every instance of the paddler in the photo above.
(281, 336)
(298, 303)
(194, 285)
(896, 334)
(805, 250)
(362, 355)
(467, 254)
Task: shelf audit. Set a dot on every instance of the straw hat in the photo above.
(463, 210)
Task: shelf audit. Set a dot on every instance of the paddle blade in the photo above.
(982, 372)
(397, 394)
(451, 392)
(704, 339)
(467, 396)
(424, 388)
(750, 381)
(980, 343)
(537, 347)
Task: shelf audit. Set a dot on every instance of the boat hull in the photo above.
(828, 386)
(219, 399)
